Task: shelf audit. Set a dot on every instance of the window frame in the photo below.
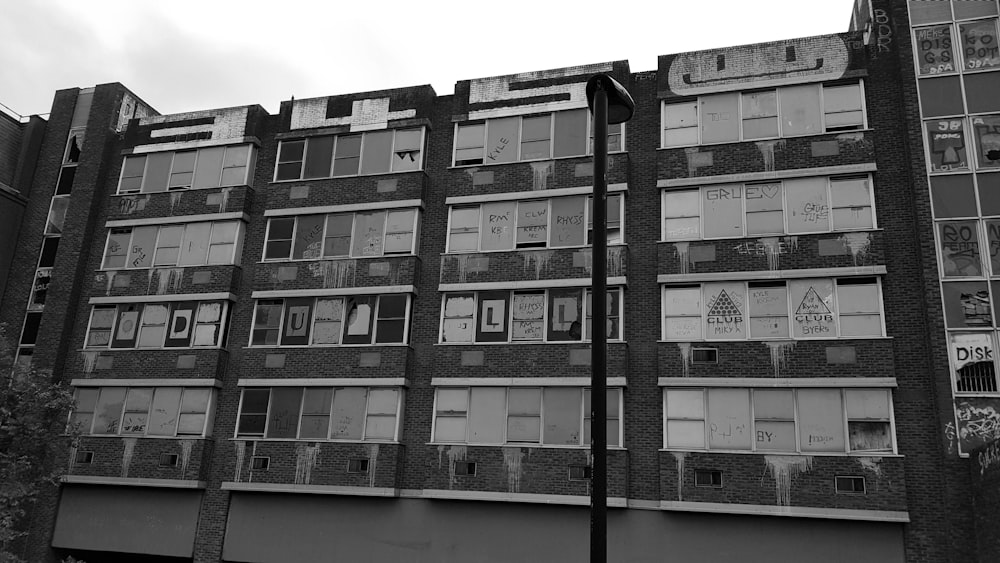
(836, 283)
(741, 137)
(831, 181)
(221, 335)
(326, 217)
(585, 314)
(400, 398)
(206, 430)
(247, 174)
(234, 258)
(361, 154)
(582, 420)
(798, 421)
(549, 228)
(615, 130)
(344, 323)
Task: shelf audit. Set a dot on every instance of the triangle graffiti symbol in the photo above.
(724, 306)
(812, 304)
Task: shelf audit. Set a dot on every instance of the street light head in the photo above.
(620, 104)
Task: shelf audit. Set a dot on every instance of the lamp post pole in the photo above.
(609, 103)
(599, 338)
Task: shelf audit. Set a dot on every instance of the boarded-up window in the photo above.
(157, 172)
(724, 204)
(760, 115)
(136, 416)
(501, 140)
(966, 305)
(154, 326)
(973, 362)
(729, 419)
(568, 226)
(720, 121)
(682, 215)
(536, 135)
(532, 223)
(375, 152)
(295, 331)
(851, 203)
(868, 420)
(565, 315)
(764, 209)
(181, 325)
(347, 155)
(168, 246)
(528, 314)
(469, 144)
(524, 409)
(451, 410)
(492, 325)
(685, 418)
(126, 328)
(117, 248)
(464, 229)
(380, 423)
(315, 422)
(821, 427)
(208, 171)
(194, 249)
(337, 240)
(800, 112)
(986, 131)
(725, 311)
(774, 420)
(682, 313)
(680, 124)
(140, 253)
(360, 318)
(812, 308)
(487, 409)
(498, 226)
(768, 305)
(570, 133)
(369, 230)
(979, 44)
(329, 317)
(935, 53)
(348, 413)
(946, 145)
(807, 207)
(843, 107)
(457, 325)
(308, 242)
(562, 416)
(858, 307)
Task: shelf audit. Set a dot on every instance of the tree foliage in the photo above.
(33, 412)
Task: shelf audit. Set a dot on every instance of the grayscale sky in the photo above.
(187, 55)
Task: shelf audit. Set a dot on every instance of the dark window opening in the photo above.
(465, 468)
(851, 485)
(707, 478)
(580, 472)
(260, 463)
(357, 466)
(168, 460)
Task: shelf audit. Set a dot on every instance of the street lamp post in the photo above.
(609, 103)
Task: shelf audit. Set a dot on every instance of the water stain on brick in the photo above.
(685, 349)
(512, 466)
(186, 446)
(454, 453)
(872, 465)
(306, 459)
(783, 469)
(538, 259)
(127, 454)
(372, 463)
(541, 172)
(680, 457)
(681, 250)
(857, 244)
(166, 278)
(89, 361)
(241, 450)
(175, 200)
(697, 159)
(779, 354)
(336, 273)
(767, 149)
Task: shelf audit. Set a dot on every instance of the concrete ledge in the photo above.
(773, 274)
(343, 208)
(573, 500)
(311, 489)
(324, 382)
(772, 175)
(796, 511)
(153, 381)
(528, 284)
(780, 382)
(133, 482)
(332, 291)
(522, 381)
(511, 196)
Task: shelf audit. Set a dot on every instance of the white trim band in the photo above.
(514, 196)
(375, 290)
(343, 208)
(529, 284)
(796, 511)
(775, 175)
(114, 299)
(239, 215)
(575, 500)
(325, 382)
(134, 481)
(311, 489)
(521, 382)
(151, 382)
(774, 274)
(785, 382)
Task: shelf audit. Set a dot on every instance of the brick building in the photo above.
(286, 350)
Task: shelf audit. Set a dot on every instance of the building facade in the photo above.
(360, 327)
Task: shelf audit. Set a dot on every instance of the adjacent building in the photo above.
(359, 328)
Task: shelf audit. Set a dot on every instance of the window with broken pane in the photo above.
(209, 167)
(363, 319)
(359, 235)
(179, 324)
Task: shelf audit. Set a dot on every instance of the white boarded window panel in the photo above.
(764, 211)
(498, 226)
(194, 249)
(153, 327)
(381, 423)
(532, 222)
(369, 231)
(858, 307)
(800, 112)
(682, 215)
(768, 311)
(487, 408)
(464, 234)
(729, 419)
(164, 413)
(315, 422)
(502, 140)
(685, 418)
(807, 205)
(458, 314)
(348, 413)
(681, 127)
(562, 416)
(524, 415)
(528, 313)
(399, 231)
(168, 246)
(140, 254)
(821, 416)
(328, 324)
(194, 406)
(723, 207)
(720, 118)
(851, 204)
(568, 226)
(107, 415)
(774, 425)
(451, 411)
(725, 311)
(812, 308)
(682, 307)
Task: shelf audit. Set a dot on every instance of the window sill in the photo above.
(327, 346)
(527, 342)
(588, 156)
(760, 236)
(345, 177)
(151, 268)
(777, 340)
(860, 130)
(192, 437)
(293, 261)
(322, 440)
(176, 191)
(793, 454)
(189, 349)
(531, 249)
(521, 445)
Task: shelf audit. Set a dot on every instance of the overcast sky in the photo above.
(188, 55)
